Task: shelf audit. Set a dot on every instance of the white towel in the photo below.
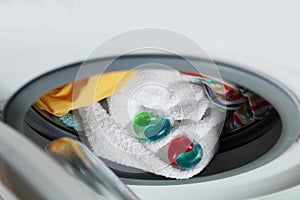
(167, 93)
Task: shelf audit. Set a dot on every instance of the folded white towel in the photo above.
(167, 93)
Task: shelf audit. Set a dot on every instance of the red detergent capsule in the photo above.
(178, 146)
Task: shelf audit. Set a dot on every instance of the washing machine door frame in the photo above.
(241, 74)
(289, 113)
(27, 172)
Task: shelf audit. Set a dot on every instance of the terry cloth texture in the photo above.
(109, 133)
(69, 120)
(83, 93)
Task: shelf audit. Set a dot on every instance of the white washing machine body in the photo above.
(259, 37)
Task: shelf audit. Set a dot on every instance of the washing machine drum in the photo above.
(240, 149)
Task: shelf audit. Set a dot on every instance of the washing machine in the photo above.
(45, 45)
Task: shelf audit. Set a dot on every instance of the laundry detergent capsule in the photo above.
(184, 153)
(149, 126)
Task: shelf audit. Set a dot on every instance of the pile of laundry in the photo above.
(161, 121)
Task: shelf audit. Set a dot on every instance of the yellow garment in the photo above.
(83, 93)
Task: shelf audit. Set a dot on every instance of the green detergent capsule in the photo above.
(149, 126)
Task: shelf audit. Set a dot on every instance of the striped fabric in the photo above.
(245, 106)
